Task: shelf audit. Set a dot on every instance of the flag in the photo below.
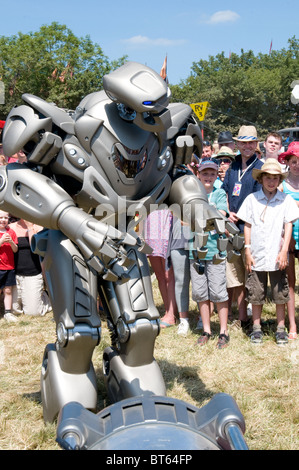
(62, 76)
(163, 72)
(270, 48)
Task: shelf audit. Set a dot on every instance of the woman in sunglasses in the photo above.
(224, 158)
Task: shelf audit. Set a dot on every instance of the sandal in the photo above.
(256, 337)
(281, 337)
(223, 341)
(293, 336)
(203, 339)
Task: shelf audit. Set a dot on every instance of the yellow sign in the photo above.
(200, 109)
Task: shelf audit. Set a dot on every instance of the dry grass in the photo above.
(263, 380)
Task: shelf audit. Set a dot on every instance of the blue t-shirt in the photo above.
(217, 198)
(238, 185)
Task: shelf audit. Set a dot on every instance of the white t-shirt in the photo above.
(267, 225)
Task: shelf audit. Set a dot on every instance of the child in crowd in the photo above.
(211, 286)
(8, 246)
(268, 215)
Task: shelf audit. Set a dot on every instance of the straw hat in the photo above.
(246, 134)
(272, 167)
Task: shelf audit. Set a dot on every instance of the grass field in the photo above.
(262, 379)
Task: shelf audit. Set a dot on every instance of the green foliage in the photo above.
(51, 63)
(244, 89)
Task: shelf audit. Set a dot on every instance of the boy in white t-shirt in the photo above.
(268, 215)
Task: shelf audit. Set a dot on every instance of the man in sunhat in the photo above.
(268, 215)
(238, 184)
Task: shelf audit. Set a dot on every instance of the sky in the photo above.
(147, 31)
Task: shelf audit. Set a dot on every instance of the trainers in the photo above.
(256, 337)
(203, 339)
(10, 317)
(281, 337)
(223, 341)
(183, 328)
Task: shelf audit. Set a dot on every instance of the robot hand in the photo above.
(102, 245)
(227, 231)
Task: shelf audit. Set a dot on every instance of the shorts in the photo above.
(236, 271)
(256, 287)
(27, 295)
(211, 285)
(7, 278)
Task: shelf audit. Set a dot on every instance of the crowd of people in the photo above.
(257, 190)
(21, 279)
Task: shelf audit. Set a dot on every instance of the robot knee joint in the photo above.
(80, 333)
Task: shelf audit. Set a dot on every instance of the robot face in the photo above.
(129, 162)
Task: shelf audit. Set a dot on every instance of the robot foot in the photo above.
(59, 387)
(123, 381)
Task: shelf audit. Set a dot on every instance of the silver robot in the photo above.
(91, 176)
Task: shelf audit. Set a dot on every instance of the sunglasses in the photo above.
(223, 160)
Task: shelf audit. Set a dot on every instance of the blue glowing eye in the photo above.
(147, 103)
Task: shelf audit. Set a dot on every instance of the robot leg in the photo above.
(129, 365)
(67, 371)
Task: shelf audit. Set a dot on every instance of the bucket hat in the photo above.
(225, 152)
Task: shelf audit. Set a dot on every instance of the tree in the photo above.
(51, 63)
(244, 89)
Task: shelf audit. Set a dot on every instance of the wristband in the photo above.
(247, 246)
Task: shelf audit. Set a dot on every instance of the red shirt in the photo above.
(7, 260)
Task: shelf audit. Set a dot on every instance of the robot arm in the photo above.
(31, 195)
(188, 194)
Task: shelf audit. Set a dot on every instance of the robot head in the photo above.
(127, 117)
(137, 87)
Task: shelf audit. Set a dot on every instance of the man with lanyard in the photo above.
(238, 184)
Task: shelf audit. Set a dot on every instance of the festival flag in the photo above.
(163, 72)
(270, 47)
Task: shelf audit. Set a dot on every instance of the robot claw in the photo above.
(153, 423)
